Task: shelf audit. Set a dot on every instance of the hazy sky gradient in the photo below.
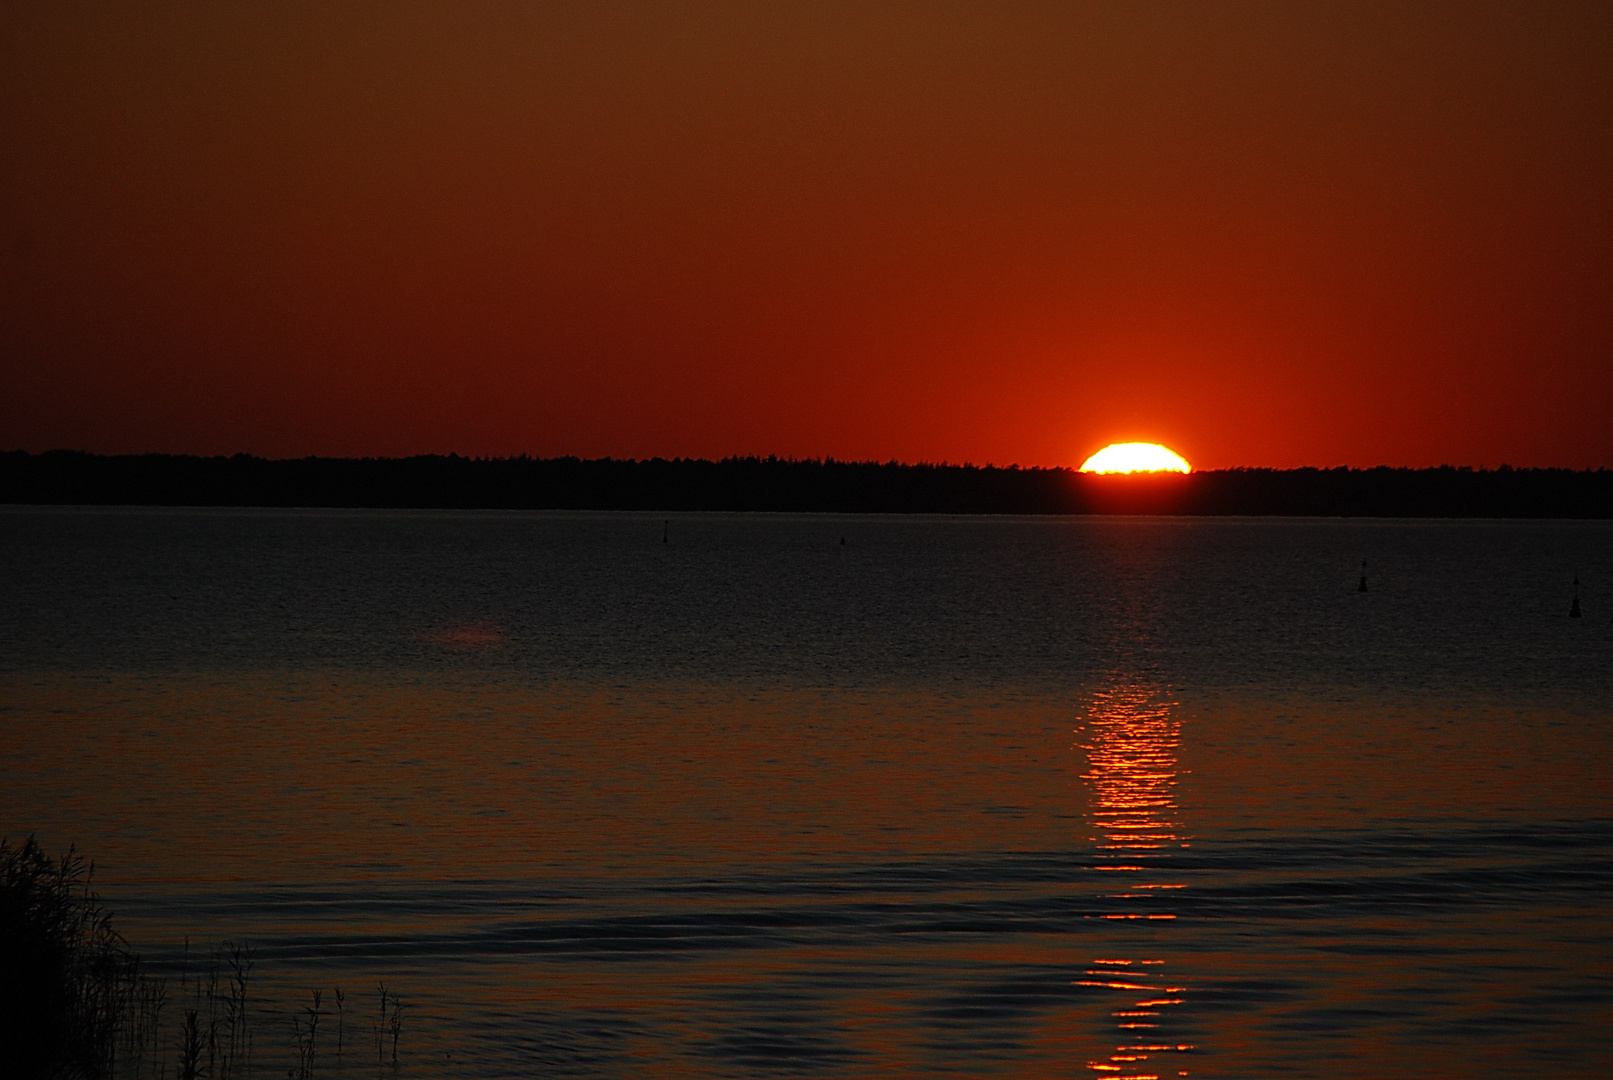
(1264, 234)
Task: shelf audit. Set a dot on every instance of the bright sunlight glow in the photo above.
(1135, 457)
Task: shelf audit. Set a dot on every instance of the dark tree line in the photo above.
(777, 484)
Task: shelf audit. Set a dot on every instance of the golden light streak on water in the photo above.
(1132, 739)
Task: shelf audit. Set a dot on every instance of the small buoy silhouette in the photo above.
(1573, 609)
(665, 525)
(1362, 587)
(842, 541)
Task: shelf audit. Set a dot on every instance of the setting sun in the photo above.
(1135, 457)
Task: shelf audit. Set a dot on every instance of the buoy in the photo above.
(1362, 587)
(665, 525)
(842, 541)
(1573, 609)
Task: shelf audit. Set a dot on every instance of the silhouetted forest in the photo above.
(776, 484)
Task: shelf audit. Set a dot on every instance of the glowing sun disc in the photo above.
(1135, 457)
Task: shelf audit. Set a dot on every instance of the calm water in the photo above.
(955, 797)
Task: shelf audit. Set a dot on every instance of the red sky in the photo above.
(1266, 234)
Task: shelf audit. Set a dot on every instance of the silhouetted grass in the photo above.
(75, 1003)
(71, 993)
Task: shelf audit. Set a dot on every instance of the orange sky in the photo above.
(1268, 234)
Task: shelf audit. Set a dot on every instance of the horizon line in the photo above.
(827, 459)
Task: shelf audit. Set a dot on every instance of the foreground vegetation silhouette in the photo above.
(782, 485)
(77, 1004)
(63, 969)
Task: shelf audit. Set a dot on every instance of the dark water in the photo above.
(957, 797)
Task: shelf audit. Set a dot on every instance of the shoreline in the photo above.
(778, 485)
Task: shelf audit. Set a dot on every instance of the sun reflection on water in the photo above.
(1131, 745)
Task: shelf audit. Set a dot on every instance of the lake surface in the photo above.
(743, 795)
